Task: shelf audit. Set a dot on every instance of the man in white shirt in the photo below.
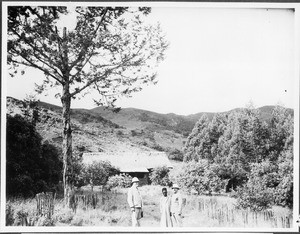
(135, 202)
(176, 207)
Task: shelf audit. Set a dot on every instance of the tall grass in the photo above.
(112, 210)
(220, 211)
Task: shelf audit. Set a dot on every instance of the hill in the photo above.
(265, 113)
(132, 118)
(94, 133)
(102, 129)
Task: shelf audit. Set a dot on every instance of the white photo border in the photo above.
(295, 6)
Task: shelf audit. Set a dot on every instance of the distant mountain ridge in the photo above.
(133, 118)
(101, 129)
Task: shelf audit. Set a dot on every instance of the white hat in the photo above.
(175, 186)
(134, 179)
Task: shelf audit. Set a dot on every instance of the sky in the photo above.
(218, 59)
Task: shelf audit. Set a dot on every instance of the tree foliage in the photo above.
(97, 173)
(193, 143)
(247, 152)
(176, 155)
(110, 50)
(31, 166)
(119, 181)
(160, 176)
(200, 176)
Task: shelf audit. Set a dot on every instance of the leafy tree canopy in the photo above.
(110, 50)
(97, 173)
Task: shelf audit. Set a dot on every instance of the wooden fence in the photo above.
(45, 204)
(228, 216)
(83, 201)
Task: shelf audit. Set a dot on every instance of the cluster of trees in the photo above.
(252, 155)
(32, 166)
(94, 174)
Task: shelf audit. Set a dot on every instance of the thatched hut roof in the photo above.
(131, 162)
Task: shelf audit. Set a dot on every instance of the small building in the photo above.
(135, 164)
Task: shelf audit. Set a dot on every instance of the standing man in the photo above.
(135, 202)
(176, 207)
(165, 212)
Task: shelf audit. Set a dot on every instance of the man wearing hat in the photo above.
(135, 202)
(176, 207)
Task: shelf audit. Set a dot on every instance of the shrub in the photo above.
(284, 190)
(134, 133)
(160, 176)
(257, 197)
(199, 176)
(98, 173)
(63, 216)
(258, 193)
(45, 221)
(176, 155)
(119, 181)
(9, 215)
(157, 147)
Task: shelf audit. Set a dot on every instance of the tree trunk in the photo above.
(67, 142)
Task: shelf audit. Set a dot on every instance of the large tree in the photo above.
(195, 140)
(111, 50)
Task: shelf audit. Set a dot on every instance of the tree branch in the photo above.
(28, 43)
(81, 53)
(123, 63)
(44, 62)
(78, 71)
(59, 44)
(89, 83)
(41, 19)
(32, 64)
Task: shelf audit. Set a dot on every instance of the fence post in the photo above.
(45, 204)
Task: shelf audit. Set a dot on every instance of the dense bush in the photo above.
(157, 147)
(119, 181)
(200, 177)
(284, 190)
(97, 173)
(134, 133)
(31, 166)
(258, 193)
(160, 176)
(256, 196)
(176, 155)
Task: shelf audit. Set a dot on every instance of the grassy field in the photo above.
(220, 211)
(112, 210)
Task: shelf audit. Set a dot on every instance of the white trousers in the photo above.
(176, 220)
(135, 217)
